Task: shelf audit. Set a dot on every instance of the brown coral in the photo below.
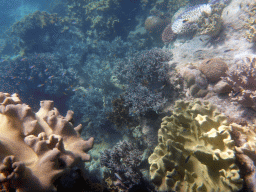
(245, 139)
(37, 148)
(154, 24)
(243, 82)
(213, 69)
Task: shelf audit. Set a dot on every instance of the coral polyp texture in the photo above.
(203, 19)
(37, 148)
(245, 140)
(195, 151)
(187, 21)
(243, 81)
(213, 69)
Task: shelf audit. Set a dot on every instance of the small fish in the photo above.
(188, 157)
(46, 70)
(23, 59)
(201, 39)
(237, 93)
(118, 177)
(13, 77)
(227, 50)
(33, 66)
(63, 74)
(50, 77)
(30, 78)
(222, 131)
(40, 85)
(169, 176)
(74, 89)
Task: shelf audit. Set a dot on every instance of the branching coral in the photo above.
(123, 160)
(37, 148)
(195, 151)
(146, 77)
(250, 24)
(243, 82)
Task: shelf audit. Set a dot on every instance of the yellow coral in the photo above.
(195, 151)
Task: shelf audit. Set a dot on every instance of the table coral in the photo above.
(195, 151)
(37, 148)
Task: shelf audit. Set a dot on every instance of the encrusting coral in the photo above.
(245, 140)
(37, 148)
(195, 151)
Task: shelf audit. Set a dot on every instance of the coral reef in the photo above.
(154, 24)
(245, 139)
(196, 81)
(195, 151)
(168, 35)
(38, 32)
(146, 78)
(202, 19)
(187, 21)
(250, 22)
(243, 82)
(37, 148)
(105, 19)
(213, 69)
(120, 114)
(123, 161)
(37, 73)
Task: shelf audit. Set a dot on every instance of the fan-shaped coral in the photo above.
(37, 148)
(195, 151)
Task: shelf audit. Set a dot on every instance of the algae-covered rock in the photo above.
(195, 151)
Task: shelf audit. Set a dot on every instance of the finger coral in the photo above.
(195, 151)
(37, 148)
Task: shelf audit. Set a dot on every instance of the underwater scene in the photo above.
(128, 95)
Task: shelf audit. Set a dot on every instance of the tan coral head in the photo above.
(37, 148)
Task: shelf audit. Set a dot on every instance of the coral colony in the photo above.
(128, 96)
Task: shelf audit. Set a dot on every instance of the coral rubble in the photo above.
(195, 151)
(37, 148)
